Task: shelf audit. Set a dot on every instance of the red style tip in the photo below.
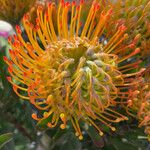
(136, 38)
(129, 102)
(110, 11)
(32, 100)
(49, 125)
(26, 17)
(122, 28)
(5, 58)
(15, 37)
(31, 70)
(37, 20)
(73, 3)
(62, 2)
(20, 59)
(31, 25)
(98, 7)
(15, 87)
(10, 51)
(40, 8)
(10, 70)
(46, 13)
(137, 50)
(9, 39)
(132, 45)
(34, 116)
(67, 4)
(78, 7)
(81, 2)
(49, 4)
(25, 74)
(18, 29)
(16, 44)
(8, 78)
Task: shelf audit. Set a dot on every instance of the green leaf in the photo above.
(5, 138)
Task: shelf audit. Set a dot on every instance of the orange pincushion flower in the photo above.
(139, 105)
(139, 102)
(73, 72)
(136, 15)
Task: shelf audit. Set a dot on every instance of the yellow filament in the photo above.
(47, 114)
(116, 113)
(78, 20)
(33, 55)
(67, 93)
(17, 79)
(17, 72)
(100, 132)
(128, 65)
(78, 127)
(91, 25)
(19, 87)
(115, 45)
(55, 123)
(46, 31)
(30, 36)
(51, 23)
(55, 117)
(128, 56)
(75, 127)
(49, 32)
(42, 22)
(42, 38)
(20, 50)
(64, 22)
(23, 97)
(88, 20)
(58, 19)
(99, 26)
(36, 46)
(133, 74)
(41, 107)
(74, 21)
(104, 122)
(111, 115)
(112, 40)
(71, 24)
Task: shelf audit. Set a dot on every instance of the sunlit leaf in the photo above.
(5, 138)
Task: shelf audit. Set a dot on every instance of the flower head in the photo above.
(73, 71)
(139, 105)
(139, 102)
(134, 14)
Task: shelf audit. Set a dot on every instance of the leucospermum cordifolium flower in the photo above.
(12, 11)
(75, 71)
(139, 102)
(136, 15)
(139, 105)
